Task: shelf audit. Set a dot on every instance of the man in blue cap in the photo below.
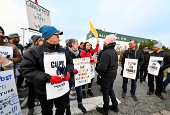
(32, 68)
(144, 67)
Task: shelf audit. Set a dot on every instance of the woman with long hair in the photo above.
(88, 52)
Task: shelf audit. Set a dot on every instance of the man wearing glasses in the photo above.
(132, 53)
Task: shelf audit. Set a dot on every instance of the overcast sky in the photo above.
(144, 18)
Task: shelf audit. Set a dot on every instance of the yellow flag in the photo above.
(93, 30)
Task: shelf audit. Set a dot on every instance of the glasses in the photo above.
(131, 43)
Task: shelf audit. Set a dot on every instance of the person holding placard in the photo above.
(87, 52)
(74, 53)
(131, 53)
(13, 55)
(107, 69)
(34, 65)
(159, 78)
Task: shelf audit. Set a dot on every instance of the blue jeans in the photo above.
(133, 85)
(167, 81)
(79, 95)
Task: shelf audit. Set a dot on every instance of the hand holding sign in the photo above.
(3, 60)
(67, 77)
(56, 79)
(75, 71)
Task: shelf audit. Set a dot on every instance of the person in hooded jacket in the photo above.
(132, 53)
(107, 69)
(74, 53)
(158, 52)
(88, 52)
(32, 68)
(37, 40)
(144, 67)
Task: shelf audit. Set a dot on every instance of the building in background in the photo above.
(122, 41)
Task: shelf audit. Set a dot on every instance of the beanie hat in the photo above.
(48, 31)
(30, 40)
(158, 45)
(110, 39)
(35, 38)
(145, 48)
(2, 30)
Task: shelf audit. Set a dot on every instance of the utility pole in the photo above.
(23, 34)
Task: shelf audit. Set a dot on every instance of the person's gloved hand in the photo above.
(75, 71)
(56, 79)
(67, 77)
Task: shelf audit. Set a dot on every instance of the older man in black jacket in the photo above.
(132, 53)
(32, 68)
(107, 69)
(159, 79)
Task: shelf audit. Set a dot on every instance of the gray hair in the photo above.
(72, 41)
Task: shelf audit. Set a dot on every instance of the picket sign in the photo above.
(92, 70)
(9, 101)
(154, 66)
(37, 15)
(6, 50)
(130, 68)
(51, 62)
(84, 71)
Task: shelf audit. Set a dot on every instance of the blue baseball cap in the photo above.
(145, 48)
(48, 31)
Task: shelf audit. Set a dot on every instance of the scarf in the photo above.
(76, 53)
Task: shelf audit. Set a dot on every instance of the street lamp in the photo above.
(23, 34)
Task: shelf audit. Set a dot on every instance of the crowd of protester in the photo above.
(28, 63)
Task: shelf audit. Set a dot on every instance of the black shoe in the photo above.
(90, 93)
(31, 111)
(81, 107)
(100, 110)
(84, 94)
(141, 81)
(115, 109)
(68, 112)
(144, 80)
(163, 90)
(134, 97)
(123, 95)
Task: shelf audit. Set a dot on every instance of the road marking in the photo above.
(24, 102)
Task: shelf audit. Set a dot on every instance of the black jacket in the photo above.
(71, 80)
(166, 57)
(108, 65)
(32, 66)
(138, 55)
(146, 60)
